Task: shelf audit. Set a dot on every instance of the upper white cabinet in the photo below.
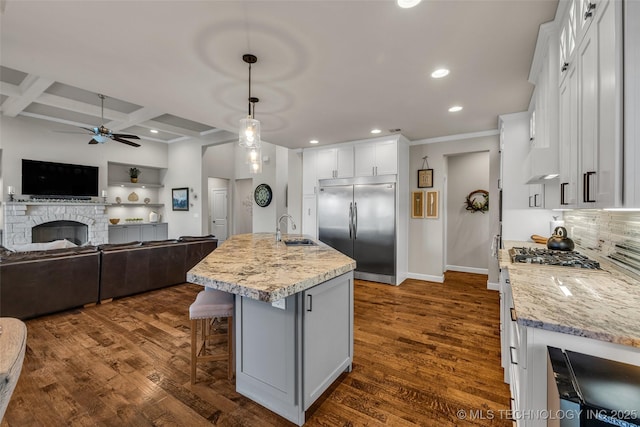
(376, 158)
(335, 163)
(590, 102)
(542, 161)
(632, 105)
(568, 154)
(599, 62)
(309, 171)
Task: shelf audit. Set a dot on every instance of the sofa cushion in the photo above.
(196, 238)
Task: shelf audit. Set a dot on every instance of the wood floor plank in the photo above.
(422, 352)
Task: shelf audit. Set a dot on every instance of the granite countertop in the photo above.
(598, 304)
(255, 266)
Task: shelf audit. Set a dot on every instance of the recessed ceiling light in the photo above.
(313, 141)
(440, 73)
(375, 131)
(406, 4)
(153, 130)
(455, 109)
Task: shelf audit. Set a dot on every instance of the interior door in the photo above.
(219, 214)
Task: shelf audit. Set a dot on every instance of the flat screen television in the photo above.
(48, 179)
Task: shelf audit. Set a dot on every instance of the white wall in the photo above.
(426, 236)
(467, 232)
(185, 170)
(243, 206)
(519, 221)
(27, 138)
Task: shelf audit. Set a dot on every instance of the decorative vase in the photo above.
(134, 179)
(153, 217)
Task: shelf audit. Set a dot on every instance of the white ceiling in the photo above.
(327, 70)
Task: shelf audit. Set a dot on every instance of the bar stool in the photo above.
(209, 305)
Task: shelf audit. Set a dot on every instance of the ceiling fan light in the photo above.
(100, 139)
(249, 135)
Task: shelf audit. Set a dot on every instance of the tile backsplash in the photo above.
(614, 235)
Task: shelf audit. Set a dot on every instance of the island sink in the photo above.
(300, 242)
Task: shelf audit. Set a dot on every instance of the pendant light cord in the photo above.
(250, 113)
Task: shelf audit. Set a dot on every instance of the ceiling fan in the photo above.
(101, 133)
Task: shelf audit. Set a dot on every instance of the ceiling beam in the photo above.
(30, 89)
(136, 118)
(79, 107)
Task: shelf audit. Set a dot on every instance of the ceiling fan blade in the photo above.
(124, 141)
(122, 135)
(70, 131)
(93, 141)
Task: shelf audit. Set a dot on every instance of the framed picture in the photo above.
(417, 204)
(180, 199)
(431, 203)
(425, 178)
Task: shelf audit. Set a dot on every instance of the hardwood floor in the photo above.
(423, 352)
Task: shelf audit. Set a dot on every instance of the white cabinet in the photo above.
(309, 221)
(543, 155)
(599, 62)
(154, 231)
(536, 196)
(335, 163)
(328, 307)
(632, 105)
(568, 153)
(309, 171)
(137, 232)
(376, 158)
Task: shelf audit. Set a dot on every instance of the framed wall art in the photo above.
(180, 199)
(417, 204)
(425, 178)
(431, 204)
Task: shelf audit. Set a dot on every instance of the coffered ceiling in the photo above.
(327, 69)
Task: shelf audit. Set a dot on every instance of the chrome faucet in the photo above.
(278, 233)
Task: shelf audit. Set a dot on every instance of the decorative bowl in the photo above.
(114, 221)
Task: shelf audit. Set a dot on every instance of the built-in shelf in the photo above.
(134, 184)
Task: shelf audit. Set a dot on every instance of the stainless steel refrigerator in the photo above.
(358, 218)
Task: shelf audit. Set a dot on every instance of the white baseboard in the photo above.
(467, 269)
(426, 277)
(493, 286)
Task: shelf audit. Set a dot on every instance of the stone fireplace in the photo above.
(79, 222)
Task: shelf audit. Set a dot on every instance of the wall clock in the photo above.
(263, 195)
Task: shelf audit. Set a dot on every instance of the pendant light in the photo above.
(249, 134)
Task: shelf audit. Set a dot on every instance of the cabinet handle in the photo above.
(586, 187)
(589, 12)
(535, 201)
(564, 67)
(511, 355)
(310, 303)
(530, 205)
(512, 312)
(562, 198)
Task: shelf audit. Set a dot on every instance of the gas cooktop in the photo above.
(551, 257)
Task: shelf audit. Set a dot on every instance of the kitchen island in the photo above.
(592, 312)
(293, 316)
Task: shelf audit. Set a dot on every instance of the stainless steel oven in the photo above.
(591, 391)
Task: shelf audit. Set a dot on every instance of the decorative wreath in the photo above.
(478, 201)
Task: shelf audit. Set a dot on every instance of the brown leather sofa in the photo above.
(43, 282)
(128, 269)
